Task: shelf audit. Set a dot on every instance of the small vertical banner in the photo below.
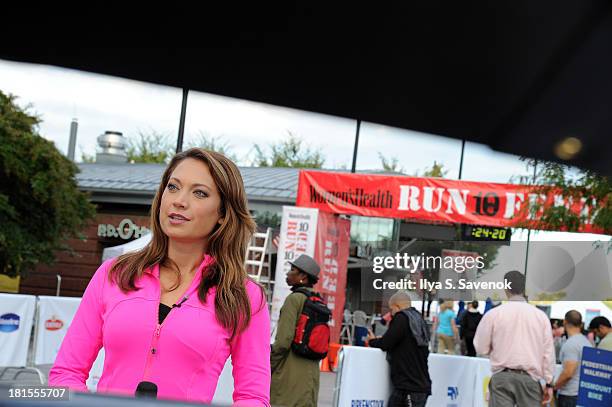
(595, 388)
(297, 237)
(331, 252)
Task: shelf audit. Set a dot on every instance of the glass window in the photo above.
(238, 125)
(366, 229)
(482, 163)
(98, 102)
(412, 152)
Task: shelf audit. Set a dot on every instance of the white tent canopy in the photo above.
(132, 246)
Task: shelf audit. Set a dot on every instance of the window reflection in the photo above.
(369, 229)
(98, 102)
(482, 163)
(406, 151)
(238, 125)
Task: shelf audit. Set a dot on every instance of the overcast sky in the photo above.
(102, 103)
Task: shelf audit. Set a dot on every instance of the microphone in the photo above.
(180, 303)
(146, 390)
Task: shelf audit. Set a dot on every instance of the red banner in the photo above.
(427, 199)
(331, 252)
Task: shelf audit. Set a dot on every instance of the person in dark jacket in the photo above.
(460, 314)
(406, 343)
(469, 323)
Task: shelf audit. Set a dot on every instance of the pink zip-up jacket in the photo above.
(184, 355)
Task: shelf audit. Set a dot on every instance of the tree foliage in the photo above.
(573, 185)
(87, 158)
(212, 143)
(290, 152)
(390, 164)
(40, 204)
(436, 170)
(268, 219)
(150, 147)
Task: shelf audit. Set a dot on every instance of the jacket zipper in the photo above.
(153, 350)
(153, 347)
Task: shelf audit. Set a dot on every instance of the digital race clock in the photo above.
(485, 233)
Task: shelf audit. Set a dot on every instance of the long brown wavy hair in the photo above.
(227, 243)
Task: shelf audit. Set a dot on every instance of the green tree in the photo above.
(212, 143)
(40, 204)
(436, 170)
(291, 152)
(150, 147)
(268, 219)
(390, 164)
(573, 185)
(86, 158)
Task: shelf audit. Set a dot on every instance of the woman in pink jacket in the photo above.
(173, 312)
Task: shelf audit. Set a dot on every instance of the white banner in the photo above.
(453, 380)
(16, 320)
(364, 378)
(456, 381)
(297, 236)
(55, 315)
(483, 377)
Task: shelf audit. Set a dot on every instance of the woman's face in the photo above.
(190, 204)
(295, 277)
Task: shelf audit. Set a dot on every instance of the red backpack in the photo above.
(311, 339)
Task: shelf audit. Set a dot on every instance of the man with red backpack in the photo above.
(302, 339)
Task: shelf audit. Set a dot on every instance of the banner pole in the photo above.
(535, 167)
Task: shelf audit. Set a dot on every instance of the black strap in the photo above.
(306, 292)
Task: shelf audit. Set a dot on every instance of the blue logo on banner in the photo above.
(595, 378)
(9, 322)
(453, 393)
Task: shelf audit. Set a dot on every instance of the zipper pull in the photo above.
(180, 303)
